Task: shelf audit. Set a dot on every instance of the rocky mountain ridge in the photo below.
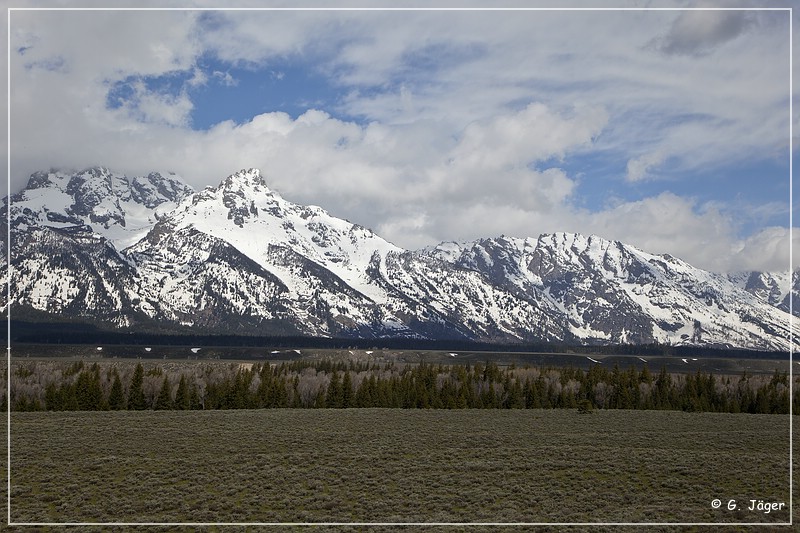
(238, 258)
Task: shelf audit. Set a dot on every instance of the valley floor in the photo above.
(393, 465)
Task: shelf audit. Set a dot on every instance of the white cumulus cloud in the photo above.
(641, 167)
(443, 125)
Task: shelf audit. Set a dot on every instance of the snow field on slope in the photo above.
(347, 252)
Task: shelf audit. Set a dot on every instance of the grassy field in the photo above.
(375, 465)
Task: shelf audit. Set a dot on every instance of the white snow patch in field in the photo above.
(642, 359)
(195, 350)
(593, 360)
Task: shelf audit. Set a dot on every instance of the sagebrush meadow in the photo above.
(317, 439)
(395, 465)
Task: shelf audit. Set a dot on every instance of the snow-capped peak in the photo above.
(239, 255)
(118, 207)
(249, 178)
(244, 212)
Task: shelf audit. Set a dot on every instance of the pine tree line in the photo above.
(338, 384)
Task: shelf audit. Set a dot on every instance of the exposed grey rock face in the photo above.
(778, 289)
(238, 258)
(612, 292)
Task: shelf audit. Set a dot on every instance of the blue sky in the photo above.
(666, 130)
(236, 93)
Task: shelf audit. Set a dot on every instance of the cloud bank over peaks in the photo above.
(531, 134)
(432, 125)
(701, 234)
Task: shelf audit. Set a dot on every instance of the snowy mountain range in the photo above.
(151, 253)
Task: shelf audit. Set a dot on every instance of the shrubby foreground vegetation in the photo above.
(117, 440)
(396, 465)
(176, 385)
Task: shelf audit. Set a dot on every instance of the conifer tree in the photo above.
(116, 397)
(164, 400)
(348, 397)
(136, 400)
(280, 396)
(69, 397)
(182, 394)
(194, 398)
(296, 400)
(88, 390)
(53, 400)
(319, 401)
(515, 398)
(333, 398)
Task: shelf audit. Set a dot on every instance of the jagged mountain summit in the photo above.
(617, 293)
(150, 253)
(119, 208)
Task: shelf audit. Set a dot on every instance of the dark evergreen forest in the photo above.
(134, 385)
